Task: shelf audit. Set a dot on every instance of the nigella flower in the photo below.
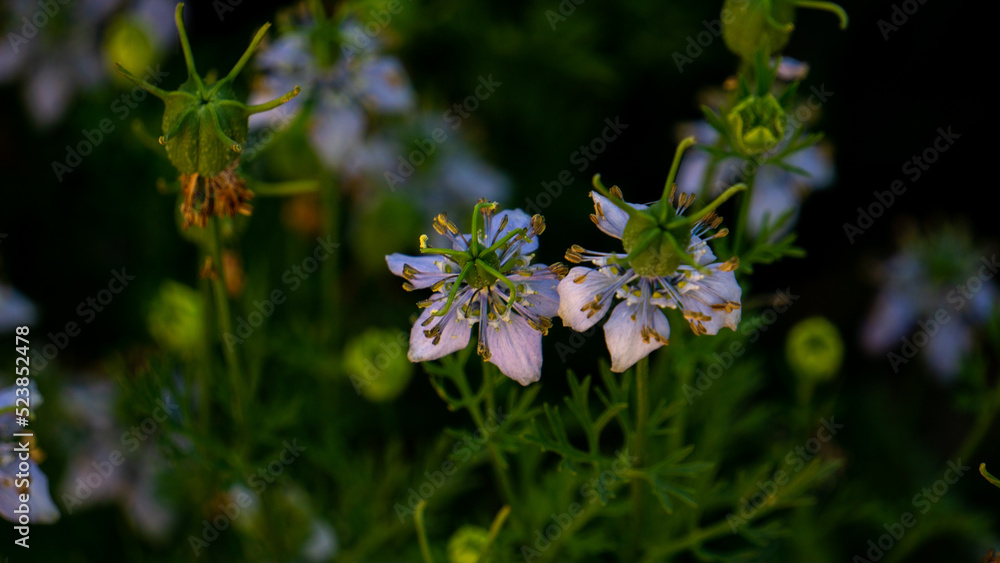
(777, 190)
(61, 58)
(485, 278)
(934, 293)
(14, 479)
(668, 265)
(15, 309)
(346, 88)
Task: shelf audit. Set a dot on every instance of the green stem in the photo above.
(472, 404)
(638, 446)
(825, 6)
(741, 227)
(981, 426)
(474, 243)
(418, 521)
(224, 320)
(733, 190)
(186, 48)
(329, 290)
(681, 147)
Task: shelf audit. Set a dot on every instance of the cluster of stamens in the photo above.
(222, 195)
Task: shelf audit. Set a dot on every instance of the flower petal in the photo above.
(542, 293)
(610, 219)
(717, 298)
(428, 269)
(454, 335)
(947, 348)
(516, 219)
(577, 291)
(624, 334)
(888, 322)
(515, 348)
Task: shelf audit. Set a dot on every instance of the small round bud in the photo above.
(756, 124)
(175, 319)
(815, 349)
(377, 365)
(467, 544)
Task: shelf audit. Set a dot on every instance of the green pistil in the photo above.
(454, 291)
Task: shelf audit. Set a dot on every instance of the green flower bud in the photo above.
(815, 349)
(377, 365)
(204, 125)
(756, 124)
(751, 25)
(466, 544)
(175, 319)
(127, 41)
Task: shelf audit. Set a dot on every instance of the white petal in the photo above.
(623, 334)
(888, 322)
(947, 347)
(516, 219)
(454, 335)
(574, 296)
(430, 268)
(716, 289)
(544, 297)
(515, 348)
(610, 218)
(336, 131)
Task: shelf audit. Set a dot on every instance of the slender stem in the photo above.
(330, 290)
(733, 190)
(638, 446)
(681, 147)
(158, 92)
(506, 238)
(454, 291)
(224, 320)
(982, 425)
(498, 521)
(186, 48)
(238, 67)
(474, 243)
(418, 521)
(450, 252)
(266, 106)
(826, 6)
(618, 202)
(477, 416)
(745, 208)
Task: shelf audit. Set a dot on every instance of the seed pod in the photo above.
(751, 25)
(204, 125)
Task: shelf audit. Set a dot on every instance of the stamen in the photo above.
(730, 265)
(617, 192)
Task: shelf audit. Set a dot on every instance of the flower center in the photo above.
(478, 276)
(649, 245)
